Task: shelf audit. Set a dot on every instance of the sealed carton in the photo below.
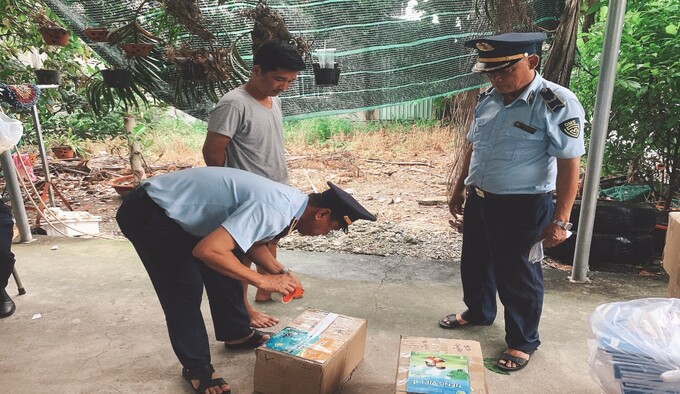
(312, 355)
(671, 254)
(438, 365)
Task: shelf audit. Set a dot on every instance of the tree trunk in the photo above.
(136, 161)
(560, 60)
(588, 20)
(462, 109)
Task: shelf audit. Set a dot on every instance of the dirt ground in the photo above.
(404, 188)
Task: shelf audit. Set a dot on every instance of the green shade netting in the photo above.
(389, 51)
(631, 193)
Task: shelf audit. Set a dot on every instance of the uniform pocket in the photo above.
(523, 140)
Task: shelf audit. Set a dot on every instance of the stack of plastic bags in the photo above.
(635, 346)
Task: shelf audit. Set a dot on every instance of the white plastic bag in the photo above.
(635, 346)
(11, 131)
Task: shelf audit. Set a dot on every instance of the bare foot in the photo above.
(262, 296)
(516, 353)
(261, 320)
(461, 321)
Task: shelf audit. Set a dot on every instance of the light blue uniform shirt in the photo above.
(515, 146)
(252, 208)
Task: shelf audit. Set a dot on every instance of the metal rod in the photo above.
(598, 136)
(43, 155)
(16, 197)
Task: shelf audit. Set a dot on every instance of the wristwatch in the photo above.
(564, 225)
(285, 271)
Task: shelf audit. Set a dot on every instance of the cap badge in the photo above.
(484, 46)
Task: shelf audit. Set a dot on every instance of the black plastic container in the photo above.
(326, 76)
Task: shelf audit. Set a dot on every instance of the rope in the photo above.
(50, 213)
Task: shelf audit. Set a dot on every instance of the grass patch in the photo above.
(387, 139)
(171, 137)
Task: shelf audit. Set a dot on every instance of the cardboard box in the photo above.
(428, 359)
(671, 254)
(314, 354)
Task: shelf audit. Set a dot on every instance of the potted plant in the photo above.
(132, 38)
(206, 71)
(52, 32)
(122, 89)
(270, 25)
(65, 145)
(49, 72)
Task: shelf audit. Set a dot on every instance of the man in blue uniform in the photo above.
(7, 306)
(192, 228)
(525, 143)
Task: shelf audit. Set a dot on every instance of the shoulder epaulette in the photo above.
(551, 100)
(484, 95)
(530, 98)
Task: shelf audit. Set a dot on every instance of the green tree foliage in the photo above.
(643, 126)
(21, 45)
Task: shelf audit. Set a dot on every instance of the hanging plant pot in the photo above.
(47, 77)
(55, 36)
(137, 49)
(117, 78)
(63, 152)
(97, 34)
(326, 76)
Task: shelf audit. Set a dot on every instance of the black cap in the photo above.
(498, 52)
(344, 207)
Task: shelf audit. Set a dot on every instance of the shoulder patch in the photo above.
(551, 100)
(571, 128)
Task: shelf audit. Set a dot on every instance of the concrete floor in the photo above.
(90, 321)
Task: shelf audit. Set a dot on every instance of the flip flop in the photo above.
(450, 322)
(204, 377)
(254, 341)
(520, 362)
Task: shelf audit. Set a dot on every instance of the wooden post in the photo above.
(136, 160)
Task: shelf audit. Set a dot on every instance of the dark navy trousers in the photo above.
(178, 278)
(498, 234)
(6, 235)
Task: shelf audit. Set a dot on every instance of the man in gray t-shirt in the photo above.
(245, 131)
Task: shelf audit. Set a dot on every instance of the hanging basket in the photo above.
(55, 36)
(117, 78)
(47, 77)
(137, 49)
(97, 34)
(326, 76)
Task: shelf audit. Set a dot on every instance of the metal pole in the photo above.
(603, 104)
(16, 197)
(43, 155)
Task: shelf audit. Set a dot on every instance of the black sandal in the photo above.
(204, 377)
(254, 341)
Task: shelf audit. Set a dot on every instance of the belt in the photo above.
(514, 197)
